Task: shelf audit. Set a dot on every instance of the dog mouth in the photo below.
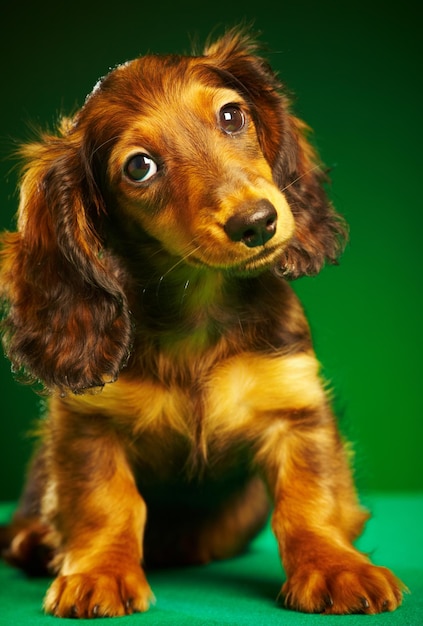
(255, 263)
(259, 262)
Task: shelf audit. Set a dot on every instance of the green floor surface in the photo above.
(243, 591)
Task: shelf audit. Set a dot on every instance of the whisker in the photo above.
(175, 265)
(184, 293)
(114, 138)
(181, 260)
(159, 285)
(312, 169)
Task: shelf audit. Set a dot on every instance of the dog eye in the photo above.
(140, 168)
(231, 119)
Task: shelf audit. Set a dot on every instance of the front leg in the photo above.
(317, 516)
(99, 517)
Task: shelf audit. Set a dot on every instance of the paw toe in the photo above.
(364, 588)
(98, 595)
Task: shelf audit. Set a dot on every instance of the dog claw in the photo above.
(328, 601)
(54, 609)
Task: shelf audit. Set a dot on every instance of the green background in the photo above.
(356, 71)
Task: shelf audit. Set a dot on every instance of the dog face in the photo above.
(204, 155)
(192, 173)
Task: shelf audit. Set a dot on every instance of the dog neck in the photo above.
(184, 301)
(180, 308)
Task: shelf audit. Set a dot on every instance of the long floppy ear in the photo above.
(67, 322)
(320, 232)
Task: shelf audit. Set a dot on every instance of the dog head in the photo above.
(205, 156)
(197, 158)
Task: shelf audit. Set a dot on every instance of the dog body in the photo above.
(156, 235)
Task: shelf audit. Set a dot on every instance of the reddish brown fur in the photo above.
(154, 294)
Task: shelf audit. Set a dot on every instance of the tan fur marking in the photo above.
(245, 388)
(238, 394)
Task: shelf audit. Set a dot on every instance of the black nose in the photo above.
(254, 225)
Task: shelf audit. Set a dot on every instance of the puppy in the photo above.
(146, 288)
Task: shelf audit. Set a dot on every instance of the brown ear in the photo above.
(320, 232)
(67, 322)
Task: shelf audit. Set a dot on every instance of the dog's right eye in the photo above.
(231, 119)
(140, 167)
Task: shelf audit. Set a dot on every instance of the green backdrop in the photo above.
(356, 70)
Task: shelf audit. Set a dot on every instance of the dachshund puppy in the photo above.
(147, 289)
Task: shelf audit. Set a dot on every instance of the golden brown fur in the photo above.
(146, 288)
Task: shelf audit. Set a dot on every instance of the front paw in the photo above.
(353, 587)
(98, 594)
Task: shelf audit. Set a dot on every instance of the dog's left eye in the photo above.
(140, 168)
(231, 119)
